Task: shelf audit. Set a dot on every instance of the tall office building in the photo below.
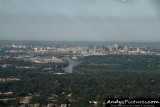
(94, 49)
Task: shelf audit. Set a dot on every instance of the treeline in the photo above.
(142, 62)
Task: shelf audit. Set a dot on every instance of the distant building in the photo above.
(94, 49)
(116, 47)
(125, 49)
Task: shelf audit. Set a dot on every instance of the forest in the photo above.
(95, 79)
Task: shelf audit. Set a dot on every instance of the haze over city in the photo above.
(79, 53)
(79, 20)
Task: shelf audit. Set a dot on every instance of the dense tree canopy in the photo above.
(96, 78)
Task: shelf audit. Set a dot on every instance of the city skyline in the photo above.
(79, 20)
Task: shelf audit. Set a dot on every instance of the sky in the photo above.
(80, 20)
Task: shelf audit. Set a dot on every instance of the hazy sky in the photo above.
(102, 20)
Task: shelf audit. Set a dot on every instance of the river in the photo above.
(72, 63)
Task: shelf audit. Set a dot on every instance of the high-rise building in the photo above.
(125, 49)
(94, 49)
(116, 47)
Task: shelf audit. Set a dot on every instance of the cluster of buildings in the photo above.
(49, 56)
(93, 50)
(47, 60)
(115, 49)
(30, 51)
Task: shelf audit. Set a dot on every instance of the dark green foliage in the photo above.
(96, 78)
